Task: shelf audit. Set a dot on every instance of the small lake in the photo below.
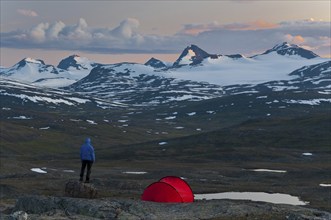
(276, 198)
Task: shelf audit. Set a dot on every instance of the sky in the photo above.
(134, 31)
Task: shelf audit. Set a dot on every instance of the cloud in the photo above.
(27, 12)
(37, 33)
(127, 28)
(294, 39)
(245, 38)
(54, 30)
(256, 25)
(195, 29)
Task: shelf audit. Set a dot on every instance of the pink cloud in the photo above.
(195, 29)
(298, 39)
(255, 25)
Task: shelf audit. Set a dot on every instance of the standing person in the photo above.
(87, 157)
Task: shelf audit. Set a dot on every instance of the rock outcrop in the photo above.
(80, 190)
(40, 207)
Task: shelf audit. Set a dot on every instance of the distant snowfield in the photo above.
(225, 71)
(308, 102)
(325, 184)
(34, 98)
(276, 198)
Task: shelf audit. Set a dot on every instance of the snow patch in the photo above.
(308, 102)
(22, 117)
(170, 118)
(267, 170)
(123, 121)
(38, 170)
(68, 171)
(91, 122)
(44, 128)
(135, 172)
(307, 154)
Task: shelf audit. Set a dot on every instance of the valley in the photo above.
(271, 136)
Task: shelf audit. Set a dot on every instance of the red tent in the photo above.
(168, 189)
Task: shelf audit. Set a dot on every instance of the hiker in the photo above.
(87, 157)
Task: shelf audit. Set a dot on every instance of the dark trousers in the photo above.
(88, 172)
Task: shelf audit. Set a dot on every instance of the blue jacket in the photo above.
(87, 151)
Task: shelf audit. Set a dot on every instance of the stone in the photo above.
(19, 215)
(80, 190)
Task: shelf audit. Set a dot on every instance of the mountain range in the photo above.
(196, 75)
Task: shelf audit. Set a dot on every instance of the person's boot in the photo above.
(87, 181)
(81, 179)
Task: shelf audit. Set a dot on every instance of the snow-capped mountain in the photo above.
(76, 62)
(192, 55)
(225, 70)
(36, 71)
(77, 66)
(29, 70)
(287, 49)
(138, 84)
(195, 75)
(70, 70)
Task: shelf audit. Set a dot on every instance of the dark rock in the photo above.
(80, 190)
(197, 58)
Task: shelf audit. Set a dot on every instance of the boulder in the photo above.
(19, 215)
(80, 190)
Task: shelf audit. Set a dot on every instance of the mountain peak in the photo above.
(287, 49)
(75, 62)
(284, 45)
(156, 63)
(31, 60)
(191, 55)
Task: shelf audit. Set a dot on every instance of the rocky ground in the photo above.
(42, 207)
